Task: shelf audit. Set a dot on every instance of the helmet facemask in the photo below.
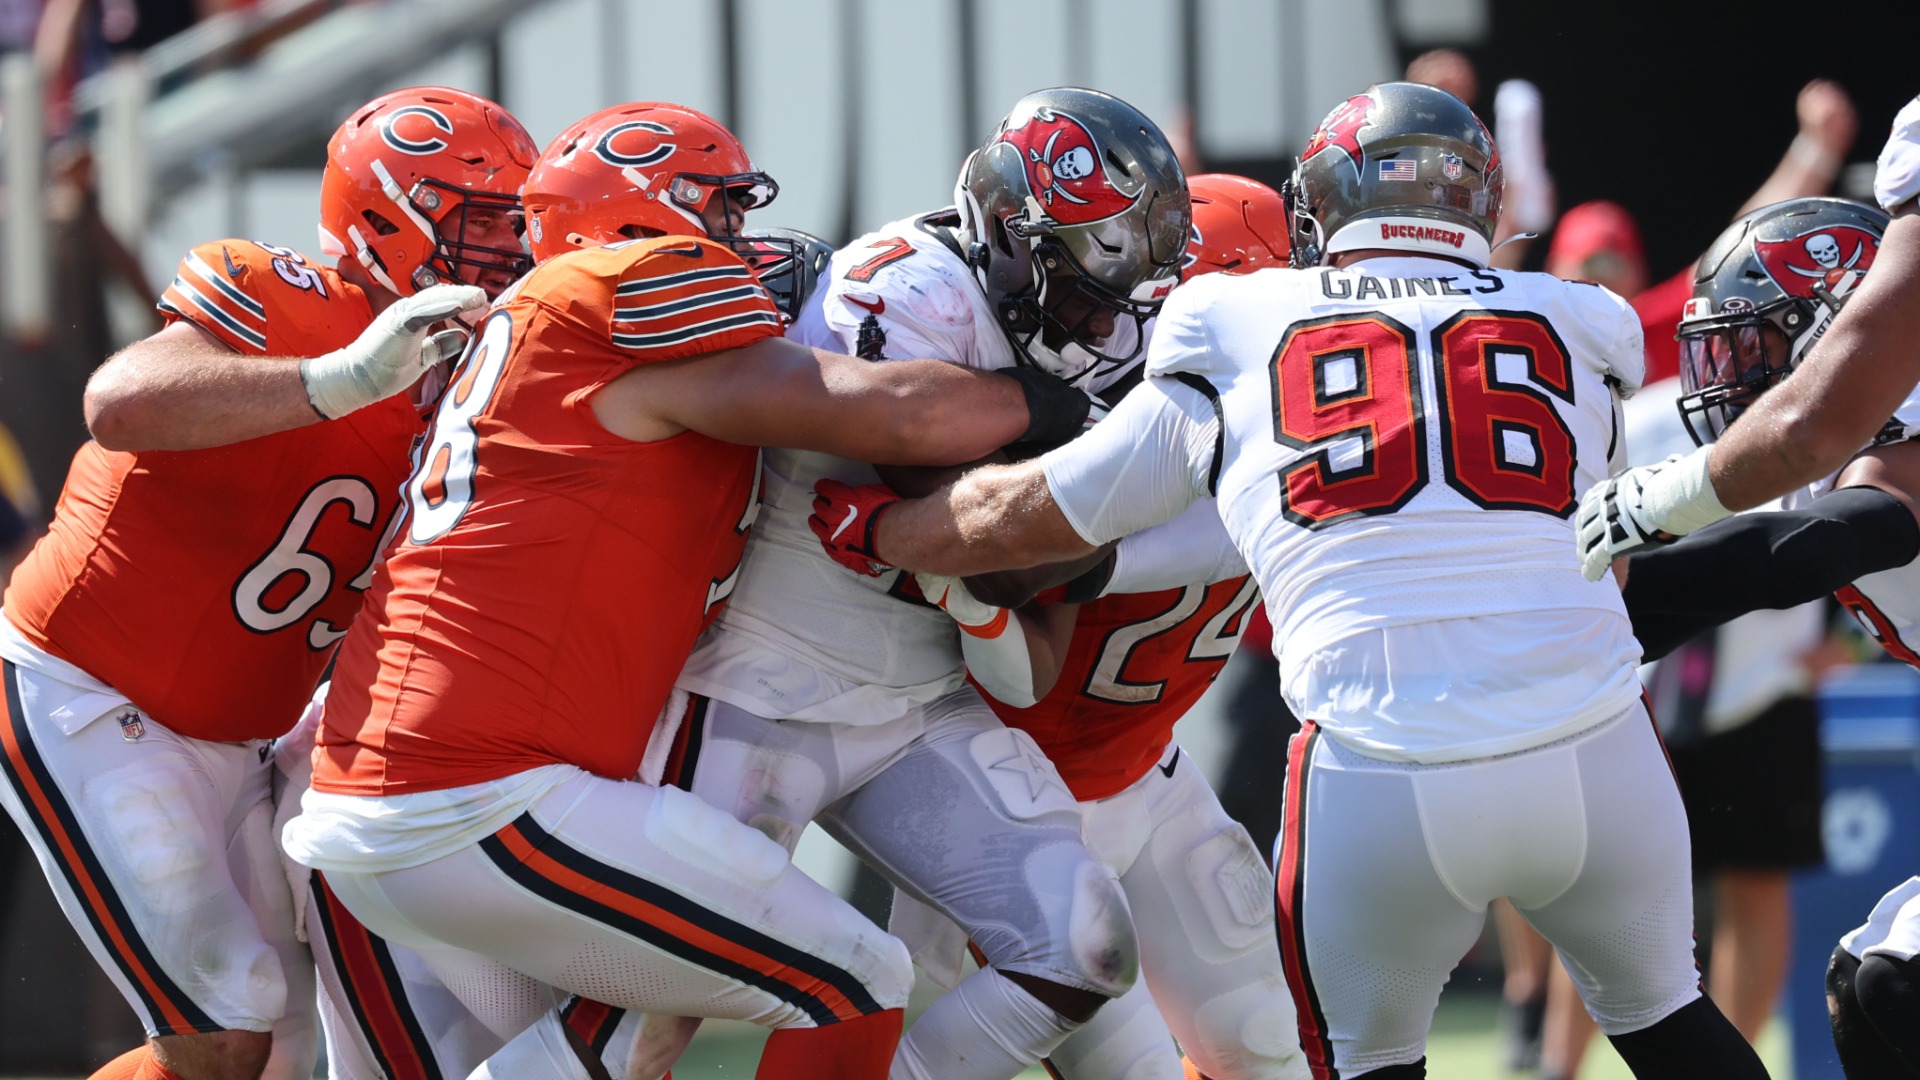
(454, 252)
(1727, 362)
(1058, 315)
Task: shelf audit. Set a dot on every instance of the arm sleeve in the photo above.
(219, 288)
(1770, 560)
(1192, 548)
(1151, 458)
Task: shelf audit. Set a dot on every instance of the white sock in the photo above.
(987, 1028)
(539, 1053)
(1125, 1040)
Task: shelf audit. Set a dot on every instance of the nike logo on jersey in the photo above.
(877, 305)
(1167, 769)
(233, 271)
(852, 512)
(691, 251)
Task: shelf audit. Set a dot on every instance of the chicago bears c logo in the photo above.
(634, 145)
(410, 136)
(1341, 129)
(1063, 169)
(1836, 256)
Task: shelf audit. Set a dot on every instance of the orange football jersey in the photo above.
(552, 576)
(210, 586)
(1136, 664)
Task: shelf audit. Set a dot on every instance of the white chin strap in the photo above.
(1417, 235)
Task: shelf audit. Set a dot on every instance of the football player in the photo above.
(210, 547)
(1136, 662)
(576, 516)
(1765, 292)
(1396, 437)
(1865, 366)
(818, 696)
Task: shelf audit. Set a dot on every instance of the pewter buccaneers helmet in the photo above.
(1762, 295)
(1402, 166)
(788, 263)
(1077, 196)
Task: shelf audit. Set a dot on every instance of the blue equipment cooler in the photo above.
(1870, 821)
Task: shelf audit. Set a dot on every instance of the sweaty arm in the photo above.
(1777, 559)
(1151, 458)
(775, 392)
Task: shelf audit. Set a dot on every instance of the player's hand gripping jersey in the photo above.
(1397, 449)
(252, 558)
(801, 638)
(469, 669)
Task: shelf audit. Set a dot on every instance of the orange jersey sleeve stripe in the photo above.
(547, 867)
(208, 299)
(171, 1011)
(376, 994)
(691, 311)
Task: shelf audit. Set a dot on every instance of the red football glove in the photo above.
(844, 518)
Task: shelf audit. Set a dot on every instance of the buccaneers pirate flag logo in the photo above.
(1064, 170)
(1836, 256)
(1341, 129)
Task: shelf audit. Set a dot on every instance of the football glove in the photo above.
(845, 517)
(951, 596)
(1644, 507)
(392, 353)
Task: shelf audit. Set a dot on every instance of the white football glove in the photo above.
(391, 354)
(1632, 510)
(952, 597)
(1896, 177)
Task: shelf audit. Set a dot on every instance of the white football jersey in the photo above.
(801, 638)
(1400, 449)
(1896, 176)
(1887, 604)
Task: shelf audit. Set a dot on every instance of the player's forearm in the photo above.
(180, 395)
(995, 518)
(1841, 395)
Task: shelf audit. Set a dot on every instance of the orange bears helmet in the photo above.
(405, 170)
(641, 169)
(1238, 225)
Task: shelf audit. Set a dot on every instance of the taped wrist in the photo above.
(1056, 412)
(1774, 560)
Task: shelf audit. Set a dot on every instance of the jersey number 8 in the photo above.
(441, 488)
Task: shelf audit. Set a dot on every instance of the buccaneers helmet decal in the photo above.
(430, 124)
(1341, 129)
(1835, 257)
(1064, 170)
(621, 148)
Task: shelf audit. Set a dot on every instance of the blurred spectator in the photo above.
(1448, 69)
(1599, 241)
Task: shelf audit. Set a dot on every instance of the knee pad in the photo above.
(145, 810)
(1249, 1032)
(1100, 937)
